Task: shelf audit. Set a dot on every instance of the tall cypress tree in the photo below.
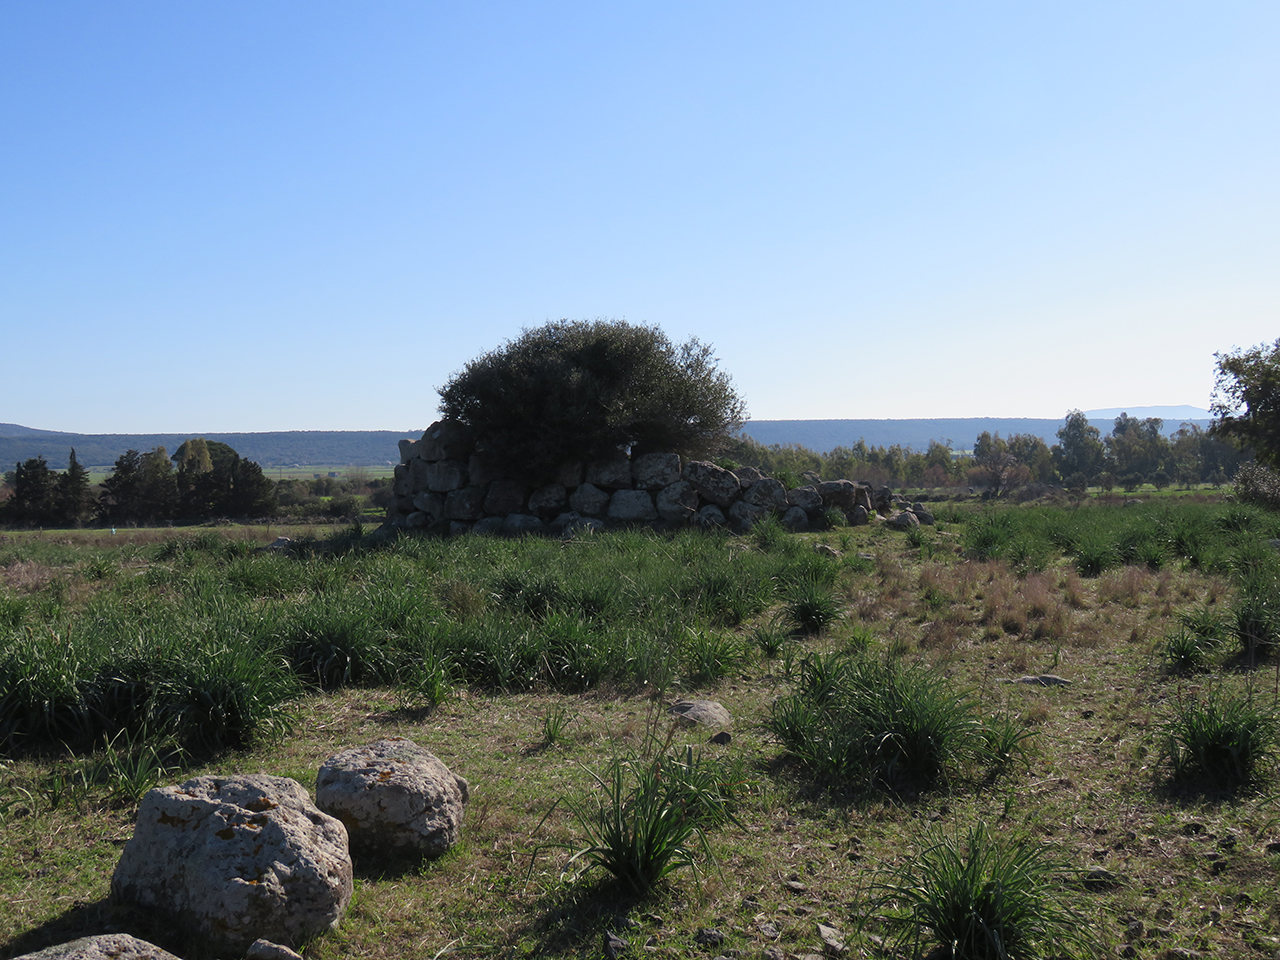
(74, 501)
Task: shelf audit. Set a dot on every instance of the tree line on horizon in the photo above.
(1135, 452)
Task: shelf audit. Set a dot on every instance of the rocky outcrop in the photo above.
(395, 798)
(235, 859)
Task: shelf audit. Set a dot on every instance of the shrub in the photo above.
(577, 390)
(811, 607)
(1219, 741)
(981, 897)
(1256, 484)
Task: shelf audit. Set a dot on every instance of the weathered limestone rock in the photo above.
(859, 515)
(748, 475)
(615, 474)
(395, 798)
(922, 513)
(677, 502)
(237, 858)
(446, 440)
(708, 713)
(548, 501)
(266, 950)
(418, 479)
(464, 504)
(631, 506)
(715, 484)
(416, 519)
(107, 946)
(767, 493)
(653, 471)
(838, 494)
(743, 516)
(445, 475)
(505, 496)
(795, 519)
(589, 500)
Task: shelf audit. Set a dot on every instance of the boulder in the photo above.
(838, 493)
(395, 798)
(795, 519)
(490, 526)
(521, 524)
(806, 498)
(446, 440)
(482, 470)
(432, 504)
(577, 526)
(569, 475)
(400, 480)
(677, 502)
(743, 516)
(714, 484)
(905, 520)
(922, 514)
(106, 946)
(748, 475)
(445, 475)
(632, 506)
(615, 474)
(266, 950)
(505, 496)
(232, 859)
(859, 516)
(416, 519)
(458, 527)
(418, 479)
(548, 501)
(589, 500)
(767, 493)
(707, 713)
(711, 516)
(464, 504)
(653, 471)
(408, 450)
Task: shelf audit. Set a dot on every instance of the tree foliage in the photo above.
(578, 390)
(1246, 400)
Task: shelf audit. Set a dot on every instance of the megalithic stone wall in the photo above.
(443, 484)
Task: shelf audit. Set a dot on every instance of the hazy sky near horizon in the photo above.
(307, 215)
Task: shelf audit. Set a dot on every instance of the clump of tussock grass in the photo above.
(981, 896)
(1220, 742)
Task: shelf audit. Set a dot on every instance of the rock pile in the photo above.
(443, 484)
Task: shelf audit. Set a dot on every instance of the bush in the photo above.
(577, 390)
(1256, 484)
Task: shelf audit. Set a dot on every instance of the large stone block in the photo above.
(505, 496)
(446, 440)
(464, 504)
(715, 484)
(767, 493)
(631, 506)
(614, 474)
(548, 501)
(446, 475)
(677, 502)
(653, 471)
(408, 450)
(233, 859)
(589, 500)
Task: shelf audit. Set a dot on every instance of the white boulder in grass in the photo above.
(395, 798)
(107, 946)
(234, 859)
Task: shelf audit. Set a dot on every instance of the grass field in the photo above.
(531, 666)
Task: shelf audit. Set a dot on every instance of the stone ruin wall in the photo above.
(442, 484)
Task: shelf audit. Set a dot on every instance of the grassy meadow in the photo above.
(884, 775)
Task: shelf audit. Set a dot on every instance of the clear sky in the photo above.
(306, 215)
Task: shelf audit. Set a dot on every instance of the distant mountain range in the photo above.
(379, 447)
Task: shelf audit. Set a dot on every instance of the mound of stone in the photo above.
(234, 859)
(395, 798)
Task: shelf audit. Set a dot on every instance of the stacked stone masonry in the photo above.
(444, 485)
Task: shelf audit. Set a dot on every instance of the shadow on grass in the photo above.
(93, 919)
(573, 917)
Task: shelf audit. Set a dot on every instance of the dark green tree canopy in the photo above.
(578, 390)
(1246, 400)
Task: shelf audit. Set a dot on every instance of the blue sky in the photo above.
(279, 215)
